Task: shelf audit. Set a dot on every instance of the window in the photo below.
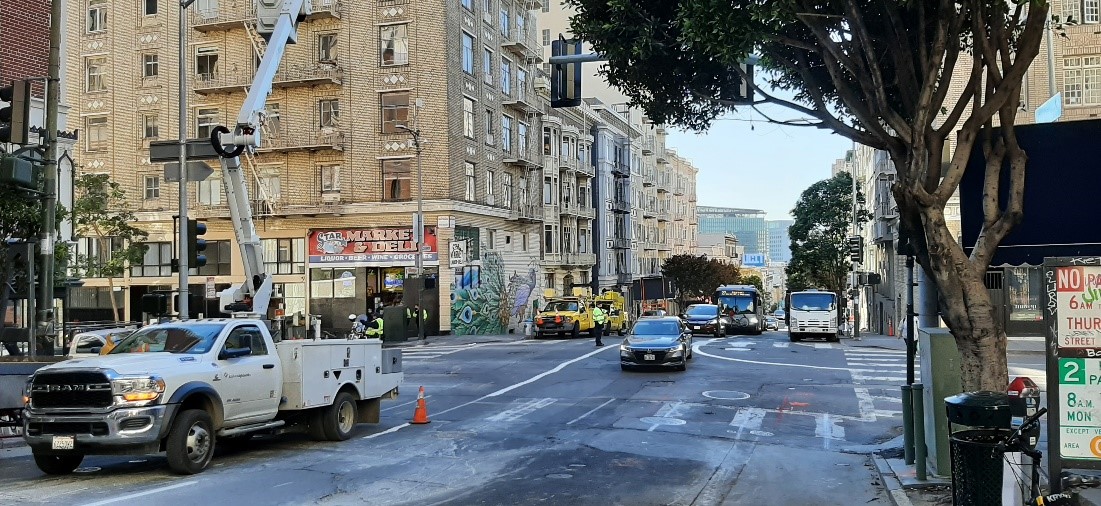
(524, 242)
(491, 198)
(546, 35)
(521, 82)
(469, 4)
(395, 111)
(218, 259)
(326, 47)
(506, 195)
(546, 5)
(269, 187)
(205, 121)
(97, 16)
(506, 134)
(152, 187)
(548, 191)
(505, 24)
(206, 63)
(490, 136)
(488, 5)
(487, 66)
(506, 76)
(521, 26)
(491, 239)
(330, 179)
(210, 191)
(150, 126)
(522, 138)
(394, 44)
(397, 176)
(1091, 11)
(273, 122)
(157, 260)
(1082, 80)
(468, 117)
(96, 131)
(151, 66)
(329, 113)
(548, 244)
(469, 194)
(149, 7)
(95, 70)
(285, 256)
(468, 53)
(524, 199)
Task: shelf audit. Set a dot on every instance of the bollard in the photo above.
(908, 423)
(919, 430)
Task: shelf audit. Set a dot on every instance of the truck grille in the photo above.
(71, 389)
(67, 428)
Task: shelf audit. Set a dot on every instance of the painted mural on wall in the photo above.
(485, 299)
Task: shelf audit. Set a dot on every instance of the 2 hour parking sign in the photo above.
(1073, 314)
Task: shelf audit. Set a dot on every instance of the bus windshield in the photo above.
(812, 301)
(737, 303)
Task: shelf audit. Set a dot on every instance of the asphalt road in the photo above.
(754, 420)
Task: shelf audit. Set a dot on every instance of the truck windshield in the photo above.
(191, 339)
(812, 301)
(560, 305)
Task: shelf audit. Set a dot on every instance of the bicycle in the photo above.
(1070, 482)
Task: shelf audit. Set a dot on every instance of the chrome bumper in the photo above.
(94, 433)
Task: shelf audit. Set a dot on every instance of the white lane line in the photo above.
(387, 431)
(521, 410)
(828, 429)
(747, 419)
(780, 345)
(862, 377)
(136, 495)
(591, 411)
(283, 484)
(823, 346)
(510, 388)
(866, 403)
(870, 359)
(696, 349)
(414, 401)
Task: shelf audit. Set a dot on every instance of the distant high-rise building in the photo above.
(748, 225)
(779, 243)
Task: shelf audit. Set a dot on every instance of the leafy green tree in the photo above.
(754, 280)
(698, 276)
(896, 76)
(823, 222)
(100, 212)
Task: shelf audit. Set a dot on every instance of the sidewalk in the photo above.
(1014, 344)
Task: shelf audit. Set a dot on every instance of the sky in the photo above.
(756, 164)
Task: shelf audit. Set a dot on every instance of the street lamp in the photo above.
(418, 230)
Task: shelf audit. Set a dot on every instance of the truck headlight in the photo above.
(137, 389)
(27, 391)
(794, 322)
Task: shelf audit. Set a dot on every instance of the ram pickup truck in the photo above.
(182, 387)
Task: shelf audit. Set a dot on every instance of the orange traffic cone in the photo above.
(890, 328)
(420, 415)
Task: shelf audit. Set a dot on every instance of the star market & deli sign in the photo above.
(370, 247)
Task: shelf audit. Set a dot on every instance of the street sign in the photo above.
(196, 171)
(210, 293)
(457, 253)
(169, 151)
(1072, 319)
(1051, 110)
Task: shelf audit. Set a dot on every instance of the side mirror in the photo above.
(683, 316)
(229, 353)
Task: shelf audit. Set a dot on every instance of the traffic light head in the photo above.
(856, 249)
(565, 77)
(195, 244)
(15, 117)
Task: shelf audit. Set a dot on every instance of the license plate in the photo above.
(696, 327)
(62, 443)
(648, 356)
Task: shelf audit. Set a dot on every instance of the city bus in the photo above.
(745, 307)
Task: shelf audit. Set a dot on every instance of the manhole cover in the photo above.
(560, 476)
(730, 395)
(661, 420)
(90, 469)
(760, 433)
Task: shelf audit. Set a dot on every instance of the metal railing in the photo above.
(288, 75)
(527, 156)
(286, 137)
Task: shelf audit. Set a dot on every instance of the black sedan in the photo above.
(656, 342)
(705, 319)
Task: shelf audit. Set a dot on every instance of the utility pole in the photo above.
(418, 232)
(856, 233)
(182, 306)
(49, 218)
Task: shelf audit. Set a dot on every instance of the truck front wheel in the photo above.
(58, 464)
(339, 419)
(190, 444)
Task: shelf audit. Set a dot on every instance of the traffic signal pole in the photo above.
(49, 218)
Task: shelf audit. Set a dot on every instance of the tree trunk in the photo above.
(969, 311)
(103, 252)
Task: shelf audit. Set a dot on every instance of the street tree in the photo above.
(698, 276)
(897, 76)
(100, 212)
(823, 222)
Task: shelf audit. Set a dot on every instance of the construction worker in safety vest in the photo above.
(415, 315)
(598, 324)
(375, 327)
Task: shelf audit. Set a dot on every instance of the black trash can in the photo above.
(977, 465)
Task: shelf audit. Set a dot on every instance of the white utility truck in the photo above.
(182, 387)
(812, 313)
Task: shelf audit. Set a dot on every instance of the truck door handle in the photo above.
(269, 366)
